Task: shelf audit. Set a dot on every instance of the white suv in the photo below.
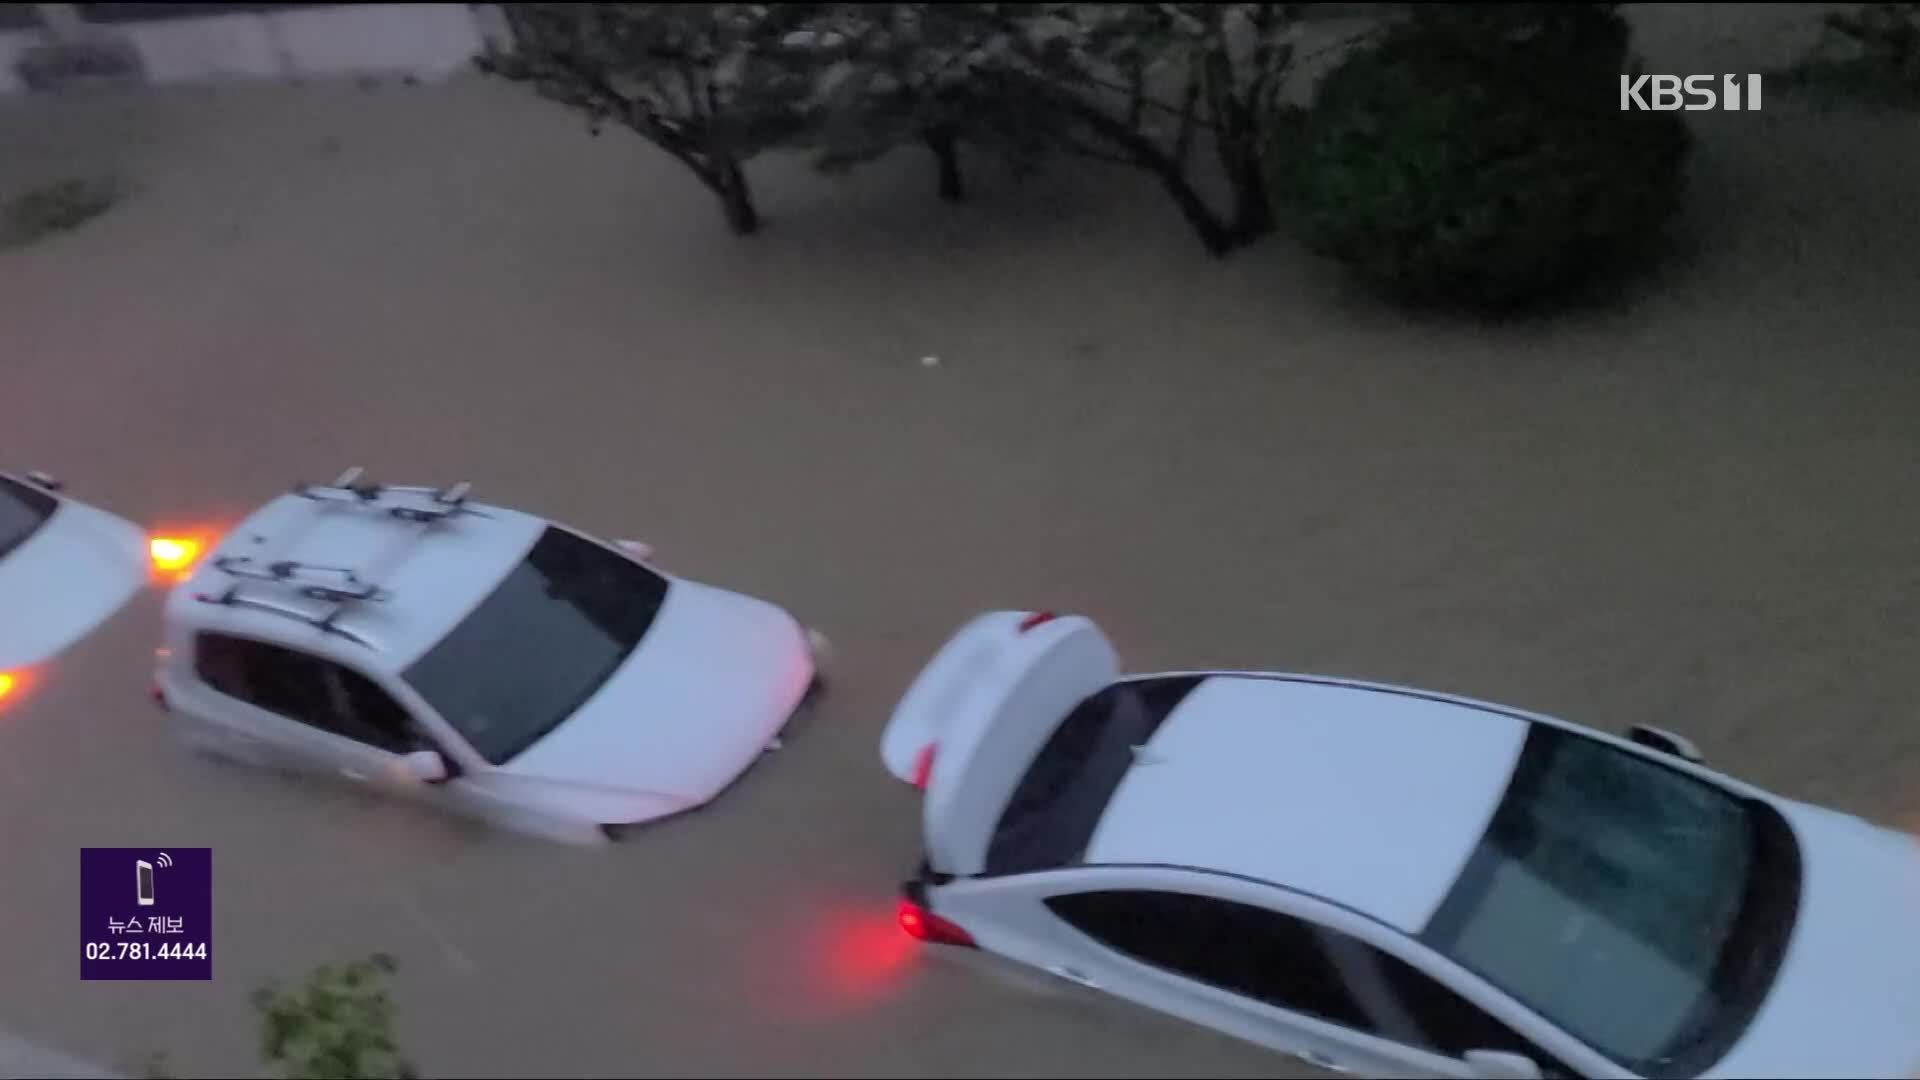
(481, 659)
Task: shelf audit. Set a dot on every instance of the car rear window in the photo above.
(1051, 817)
(22, 511)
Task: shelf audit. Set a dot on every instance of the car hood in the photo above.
(716, 677)
(74, 573)
(1846, 1001)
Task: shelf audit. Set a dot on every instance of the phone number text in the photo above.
(146, 950)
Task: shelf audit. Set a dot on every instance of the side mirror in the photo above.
(636, 548)
(426, 766)
(1501, 1065)
(45, 480)
(1666, 742)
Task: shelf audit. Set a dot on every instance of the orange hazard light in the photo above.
(173, 554)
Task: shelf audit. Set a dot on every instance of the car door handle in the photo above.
(353, 774)
(1323, 1061)
(1072, 974)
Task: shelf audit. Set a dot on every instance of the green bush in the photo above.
(1478, 156)
(62, 63)
(56, 207)
(338, 1025)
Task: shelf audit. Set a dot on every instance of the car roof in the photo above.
(434, 574)
(1368, 797)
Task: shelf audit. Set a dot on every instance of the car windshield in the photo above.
(22, 511)
(1050, 818)
(1641, 909)
(554, 629)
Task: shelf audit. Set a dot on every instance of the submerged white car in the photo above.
(476, 658)
(1397, 883)
(65, 568)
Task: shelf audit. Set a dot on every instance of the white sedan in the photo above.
(477, 659)
(1393, 882)
(65, 568)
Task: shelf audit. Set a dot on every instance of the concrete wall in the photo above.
(426, 41)
(12, 44)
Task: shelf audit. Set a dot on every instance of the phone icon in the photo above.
(143, 870)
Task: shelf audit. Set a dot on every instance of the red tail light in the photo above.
(924, 925)
(1036, 619)
(923, 766)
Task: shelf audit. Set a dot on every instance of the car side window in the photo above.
(305, 688)
(1241, 948)
(361, 710)
(1417, 1010)
(22, 511)
(275, 679)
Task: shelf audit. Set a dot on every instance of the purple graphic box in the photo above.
(146, 913)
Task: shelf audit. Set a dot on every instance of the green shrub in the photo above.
(338, 1025)
(58, 64)
(56, 207)
(1478, 156)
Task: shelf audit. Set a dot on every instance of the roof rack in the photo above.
(422, 505)
(313, 582)
(326, 621)
(338, 587)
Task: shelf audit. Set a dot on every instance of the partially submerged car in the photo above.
(477, 658)
(65, 568)
(1394, 882)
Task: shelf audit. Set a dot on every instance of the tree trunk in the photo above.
(1238, 144)
(729, 183)
(1236, 140)
(1252, 205)
(1171, 170)
(1139, 149)
(1216, 236)
(946, 152)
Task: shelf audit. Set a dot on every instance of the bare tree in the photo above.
(708, 83)
(1136, 84)
(1141, 85)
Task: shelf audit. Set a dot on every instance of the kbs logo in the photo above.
(1665, 93)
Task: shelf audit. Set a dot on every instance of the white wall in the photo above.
(203, 48)
(12, 44)
(427, 41)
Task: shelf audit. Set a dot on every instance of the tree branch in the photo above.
(647, 123)
(1136, 90)
(690, 87)
(1351, 39)
(1217, 78)
(1183, 136)
(1070, 74)
(1079, 149)
(1264, 68)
